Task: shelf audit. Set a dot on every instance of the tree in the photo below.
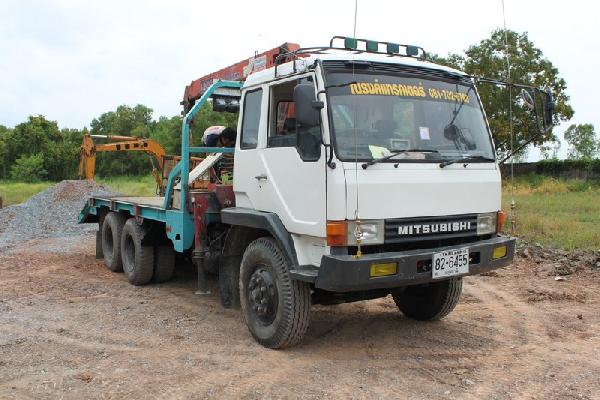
(39, 137)
(62, 158)
(31, 137)
(124, 121)
(528, 66)
(167, 131)
(28, 168)
(549, 150)
(583, 142)
(4, 134)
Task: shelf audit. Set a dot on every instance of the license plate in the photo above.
(450, 263)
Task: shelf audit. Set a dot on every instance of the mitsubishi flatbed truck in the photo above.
(360, 170)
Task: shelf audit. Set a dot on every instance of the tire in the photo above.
(112, 230)
(164, 264)
(229, 281)
(429, 302)
(276, 307)
(99, 255)
(138, 260)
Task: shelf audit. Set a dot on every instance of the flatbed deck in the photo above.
(154, 201)
(146, 207)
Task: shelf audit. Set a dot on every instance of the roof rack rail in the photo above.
(352, 44)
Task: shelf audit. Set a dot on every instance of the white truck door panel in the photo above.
(277, 179)
(294, 189)
(251, 135)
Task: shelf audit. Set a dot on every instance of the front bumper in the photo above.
(345, 273)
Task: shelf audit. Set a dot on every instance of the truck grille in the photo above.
(406, 230)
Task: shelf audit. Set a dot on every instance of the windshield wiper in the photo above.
(468, 158)
(394, 154)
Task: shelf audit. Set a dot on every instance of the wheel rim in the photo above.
(262, 295)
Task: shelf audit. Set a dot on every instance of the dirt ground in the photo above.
(69, 328)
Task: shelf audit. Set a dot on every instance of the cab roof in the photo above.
(286, 69)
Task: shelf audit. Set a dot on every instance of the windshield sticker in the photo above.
(424, 132)
(394, 89)
(378, 151)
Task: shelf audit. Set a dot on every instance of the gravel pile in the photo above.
(48, 214)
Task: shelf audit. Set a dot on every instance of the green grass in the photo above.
(130, 185)
(557, 213)
(18, 192)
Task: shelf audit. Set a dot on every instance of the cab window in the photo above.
(251, 119)
(284, 131)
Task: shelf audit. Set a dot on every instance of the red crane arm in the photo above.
(236, 72)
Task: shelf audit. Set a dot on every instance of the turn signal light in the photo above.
(501, 221)
(337, 233)
(383, 269)
(498, 252)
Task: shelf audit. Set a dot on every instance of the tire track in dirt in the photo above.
(84, 342)
(535, 333)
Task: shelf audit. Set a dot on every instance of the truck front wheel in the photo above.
(276, 307)
(429, 302)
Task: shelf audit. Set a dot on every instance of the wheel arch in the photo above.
(248, 225)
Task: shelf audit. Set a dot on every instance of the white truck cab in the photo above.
(379, 175)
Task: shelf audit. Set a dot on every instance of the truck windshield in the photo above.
(375, 115)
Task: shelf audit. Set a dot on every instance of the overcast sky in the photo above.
(73, 60)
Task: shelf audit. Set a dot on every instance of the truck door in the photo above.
(285, 171)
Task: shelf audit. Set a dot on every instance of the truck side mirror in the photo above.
(527, 99)
(307, 106)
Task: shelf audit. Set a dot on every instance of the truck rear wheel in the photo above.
(276, 307)
(138, 260)
(431, 301)
(164, 264)
(112, 229)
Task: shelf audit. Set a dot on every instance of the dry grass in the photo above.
(558, 213)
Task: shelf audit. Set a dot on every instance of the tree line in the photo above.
(37, 149)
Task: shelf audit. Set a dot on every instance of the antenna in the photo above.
(355, 14)
(357, 230)
(513, 206)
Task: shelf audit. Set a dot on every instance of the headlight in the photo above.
(486, 223)
(371, 231)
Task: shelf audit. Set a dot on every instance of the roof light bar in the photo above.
(372, 46)
(393, 48)
(350, 43)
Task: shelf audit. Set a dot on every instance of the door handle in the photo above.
(262, 177)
